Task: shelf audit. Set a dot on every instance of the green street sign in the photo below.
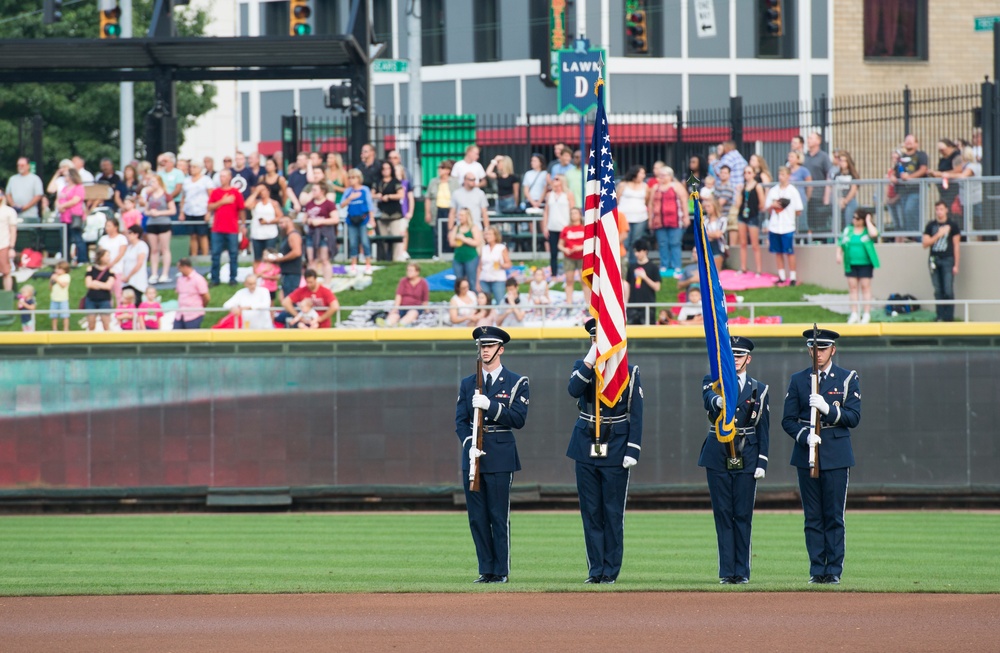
(985, 23)
(390, 66)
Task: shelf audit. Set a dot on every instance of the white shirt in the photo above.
(558, 205)
(259, 231)
(196, 195)
(259, 300)
(783, 222)
(491, 377)
(86, 176)
(8, 216)
(139, 280)
(459, 169)
(114, 246)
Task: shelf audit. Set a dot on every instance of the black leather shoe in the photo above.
(739, 580)
(607, 580)
(728, 580)
(817, 580)
(497, 579)
(593, 580)
(484, 578)
(832, 579)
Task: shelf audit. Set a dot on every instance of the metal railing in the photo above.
(517, 230)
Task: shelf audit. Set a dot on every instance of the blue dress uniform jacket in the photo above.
(489, 509)
(602, 483)
(824, 498)
(733, 491)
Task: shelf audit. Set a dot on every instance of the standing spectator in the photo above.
(912, 165)
(731, 157)
(129, 187)
(798, 144)
(192, 296)
(408, 204)
(858, 255)
(949, 162)
(784, 204)
(412, 290)
(194, 208)
(437, 200)
(574, 180)
(469, 196)
(494, 261)
(128, 312)
(150, 311)
(264, 214)
(130, 214)
(99, 282)
(470, 165)
(716, 227)
(696, 167)
(501, 170)
(369, 165)
(24, 191)
(59, 284)
(336, 175)
(323, 299)
(26, 303)
(299, 177)
(725, 189)
(173, 177)
(970, 192)
(388, 192)
(465, 238)
(277, 186)
(762, 173)
(668, 219)
(8, 239)
(251, 304)
(60, 178)
(289, 257)
(463, 311)
(358, 200)
(208, 168)
(134, 274)
(633, 201)
(225, 207)
(253, 162)
(942, 237)
(268, 272)
(108, 177)
(847, 192)
(642, 284)
(557, 150)
(243, 178)
(555, 219)
(322, 218)
(70, 207)
(565, 168)
(534, 184)
(818, 164)
(160, 208)
(571, 245)
(749, 207)
(81, 166)
(115, 244)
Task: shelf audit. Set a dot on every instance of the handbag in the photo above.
(76, 222)
(358, 220)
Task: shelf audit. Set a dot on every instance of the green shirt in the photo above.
(858, 249)
(465, 253)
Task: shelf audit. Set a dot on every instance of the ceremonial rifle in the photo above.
(477, 430)
(814, 417)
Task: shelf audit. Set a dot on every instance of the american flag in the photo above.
(601, 261)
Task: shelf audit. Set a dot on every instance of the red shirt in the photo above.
(322, 298)
(572, 236)
(411, 295)
(226, 216)
(321, 210)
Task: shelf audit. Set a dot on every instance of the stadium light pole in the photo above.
(126, 120)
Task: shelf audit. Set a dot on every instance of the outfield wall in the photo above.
(329, 413)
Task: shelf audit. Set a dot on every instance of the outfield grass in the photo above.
(433, 552)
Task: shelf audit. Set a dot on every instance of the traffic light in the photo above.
(52, 11)
(636, 32)
(772, 18)
(110, 29)
(299, 18)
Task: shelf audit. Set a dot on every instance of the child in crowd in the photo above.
(663, 318)
(149, 311)
(130, 214)
(127, 311)
(307, 318)
(268, 272)
(691, 311)
(59, 296)
(510, 312)
(539, 294)
(485, 314)
(26, 304)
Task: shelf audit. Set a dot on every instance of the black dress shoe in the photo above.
(484, 578)
(728, 580)
(817, 580)
(497, 579)
(607, 580)
(832, 579)
(739, 580)
(593, 580)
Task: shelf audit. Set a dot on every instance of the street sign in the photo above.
(985, 23)
(704, 16)
(579, 69)
(390, 66)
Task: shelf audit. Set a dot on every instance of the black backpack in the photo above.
(908, 304)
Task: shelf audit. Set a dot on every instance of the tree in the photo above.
(83, 118)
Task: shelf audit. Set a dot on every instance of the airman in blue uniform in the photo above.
(504, 402)
(732, 483)
(602, 480)
(838, 400)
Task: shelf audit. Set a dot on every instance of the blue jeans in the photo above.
(636, 230)
(911, 211)
(356, 232)
(468, 270)
(943, 280)
(290, 283)
(496, 289)
(848, 214)
(231, 243)
(668, 241)
(76, 238)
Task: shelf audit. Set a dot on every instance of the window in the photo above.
(896, 29)
(274, 18)
(486, 30)
(244, 19)
(432, 27)
(382, 24)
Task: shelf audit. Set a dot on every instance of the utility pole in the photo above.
(126, 121)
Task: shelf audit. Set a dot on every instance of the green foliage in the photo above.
(83, 118)
(385, 552)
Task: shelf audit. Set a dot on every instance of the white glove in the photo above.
(758, 473)
(813, 439)
(480, 401)
(717, 402)
(818, 402)
(629, 461)
(476, 453)
(591, 356)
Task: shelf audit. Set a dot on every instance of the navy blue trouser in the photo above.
(603, 491)
(489, 521)
(823, 502)
(733, 496)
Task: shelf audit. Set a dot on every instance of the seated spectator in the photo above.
(539, 288)
(484, 315)
(251, 305)
(664, 318)
(192, 296)
(691, 311)
(412, 290)
(689, 274)
(126, 314)
(323, 299)
(501, 170)
(509, 312)
(306, 318)
(463, 303)
(150, 311)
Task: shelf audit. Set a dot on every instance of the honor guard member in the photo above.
(602, 477)
(504, 402)
(732, 483)
(838, 400)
